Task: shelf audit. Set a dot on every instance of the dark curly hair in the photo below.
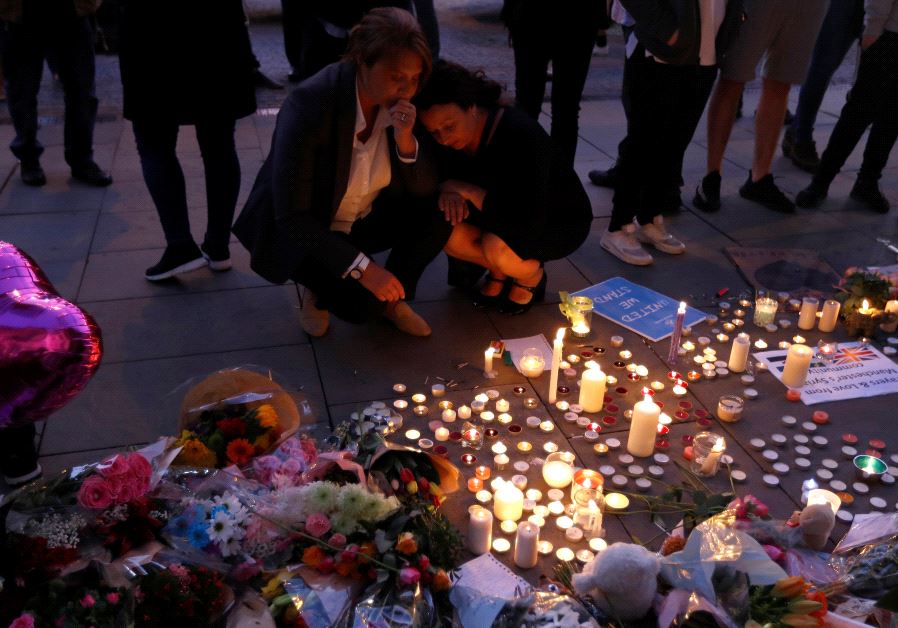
(451, 83)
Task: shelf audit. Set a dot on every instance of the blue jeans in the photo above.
(156, 142)
(50, 28)
(841, 28)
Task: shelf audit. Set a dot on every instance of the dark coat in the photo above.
(658, 20)
(288, 214)
(186, 62)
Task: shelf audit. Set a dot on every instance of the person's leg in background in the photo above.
(427, 18)
(531, 59)
(18, 455)
(841, 28)
(292, 23)
(222, 172)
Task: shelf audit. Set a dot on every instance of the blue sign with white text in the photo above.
(639, 309)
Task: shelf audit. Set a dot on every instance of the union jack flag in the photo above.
(853, 355)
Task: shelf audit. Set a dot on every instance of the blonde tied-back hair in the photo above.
(386, 31)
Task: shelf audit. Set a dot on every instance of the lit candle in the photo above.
(798, 362)
(558, 470)
(830, 315)
(480, 531)
(532, 365)
(808, 314)
(500, 460)
(526, 545)
(865, 308)
(464, 412)
(679, 389)
(822, 496)
(592, 388)
(502, 405)
(499, 448)
(677, 333)
(760, 344)
(711, 463)
(488, 362)
(586, 479)
(888, 327)
(475, 484)
(508, 502)
(557, 348)
(482, 472)
(441, 434)
(643, 427)
(616, 501)
(739, 353)
(449, 415)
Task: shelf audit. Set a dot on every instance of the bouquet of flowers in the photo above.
(70, 605)
(858, 284)
(286, 465)
(789, 602)
(232, 416)
(181, 595)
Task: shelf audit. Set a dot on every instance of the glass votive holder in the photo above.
(471, 436)
(765, 311)
(869, 468)
(707, 448)
(579, 312)
(730, 407)
(532, 363)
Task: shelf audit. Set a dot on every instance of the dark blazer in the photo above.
(299, 188)
(657, 21)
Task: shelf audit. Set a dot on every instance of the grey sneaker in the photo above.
(623, 245)
(656, 234)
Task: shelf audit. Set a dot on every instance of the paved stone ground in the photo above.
(95, 244)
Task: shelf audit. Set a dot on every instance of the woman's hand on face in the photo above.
(382, 283)
(453, 206)
(403, 115)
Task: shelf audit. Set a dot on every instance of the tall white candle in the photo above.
(798, 361)
(643, 427)
(488, 361)
(739, 353)
(557, 348)
(592, 388)
(526, 544)
(508, 502)
(808, 314)
(677, 333)
(480, 531)
(891, 308)
(830, 315)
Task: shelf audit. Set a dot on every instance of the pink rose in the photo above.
(112, 598)
(409, 576)
(337, 540)
(88, 601)
(317, 524)
(141, 468)
(292, 466)
(113, 467)
(291, 447)
(23, 621)
(245, 571)
(96, 493)
(264, 467)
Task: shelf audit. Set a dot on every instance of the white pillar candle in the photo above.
(557, 348)
(808, 314)
(830, 315)
(488, 361)
(891, 308)
(480, 531)
(739, 353)
(526, 544)
(592, 388)
(798, 361)
(508, 502)
(643, 428)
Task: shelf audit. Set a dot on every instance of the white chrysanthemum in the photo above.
(321, 497)
(291, 505)
(353, 501)
(385, 507)
(343, 523)
(221, 528)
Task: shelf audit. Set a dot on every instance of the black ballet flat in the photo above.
(482, 301)
(538, 292)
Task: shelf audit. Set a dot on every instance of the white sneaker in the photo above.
(314, 321)
(655, 233)
(623, 245)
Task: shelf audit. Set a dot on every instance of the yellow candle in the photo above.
(643, 427)
(830, 315)
(798, 362)
(592, 388)
(739, 353)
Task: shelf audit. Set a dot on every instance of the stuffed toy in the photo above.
(622, 580)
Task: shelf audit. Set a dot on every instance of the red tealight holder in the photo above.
(595, 427)
(633, 377)
(877, 444)
(663, 430)
(687, 453)
(793, 394)
(849, 439)
(587, 478)
(686, 405)
(873, 452)
(673, 376)
(612, 408)
(693, 376)
(620, 390)
(662, 444)
(687, 439)
(701, 413)
(820, 417)
(468, 459)
(660, 404)
(514, 429)
(455, 436)
(586, 354)
(681, 416)
(609, 420)
(440, 450)
(703, 422)
(608, 398)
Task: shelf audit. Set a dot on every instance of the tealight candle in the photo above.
(504, 418)
(499, 448)
(564, 522)
(475, 484)
(464, 412)
(547, 426)
(616, 501)
(438, 390)
(502, 405)
(412, 434)
(483, 496)
(449, 415)
(482, 472)
(524, 446)
(487, 417)
(500, 460)
(598, 544)
(419, 398)
(420, 410)
(399, 388)
(400, 404)
(441, 434)
(500, 546)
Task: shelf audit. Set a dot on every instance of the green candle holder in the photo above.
(869, 468)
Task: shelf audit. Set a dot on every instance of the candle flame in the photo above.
(490, 351)
(865, 305)
(720, 445)
(682, 308)
(559, 335)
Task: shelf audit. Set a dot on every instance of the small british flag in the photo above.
(853, 355)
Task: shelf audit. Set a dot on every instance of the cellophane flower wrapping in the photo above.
(385, 604)
(866, 558)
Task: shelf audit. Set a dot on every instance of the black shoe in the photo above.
(602, 40)
(294, 77)
(707, 193)
(811, 197)
(484, 301)
(176, 260)
(260, 80)
(604, 178)
(765, 192)
(218, 257)
(802, 154)
(32, 173)
(870, 195)
(91, 174)
(20, 472)
(788, 118)
(537, 292)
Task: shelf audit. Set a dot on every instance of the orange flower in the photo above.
(441, 581)
(345, 568)
(262, 443)
(313, 556)
(366, 550)
(406, 544)
(820, 597)
(240, 451)
(196, 454)
(267, 416)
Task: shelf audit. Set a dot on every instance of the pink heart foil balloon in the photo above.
(49, 348)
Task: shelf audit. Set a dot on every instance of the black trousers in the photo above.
(565, 35)
(665, 105)
(156, 143)
(872, 102)
(413, 230)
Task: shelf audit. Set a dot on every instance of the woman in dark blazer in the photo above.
(191, 66)
(346, 178)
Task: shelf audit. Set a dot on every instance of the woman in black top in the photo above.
(512, 202)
